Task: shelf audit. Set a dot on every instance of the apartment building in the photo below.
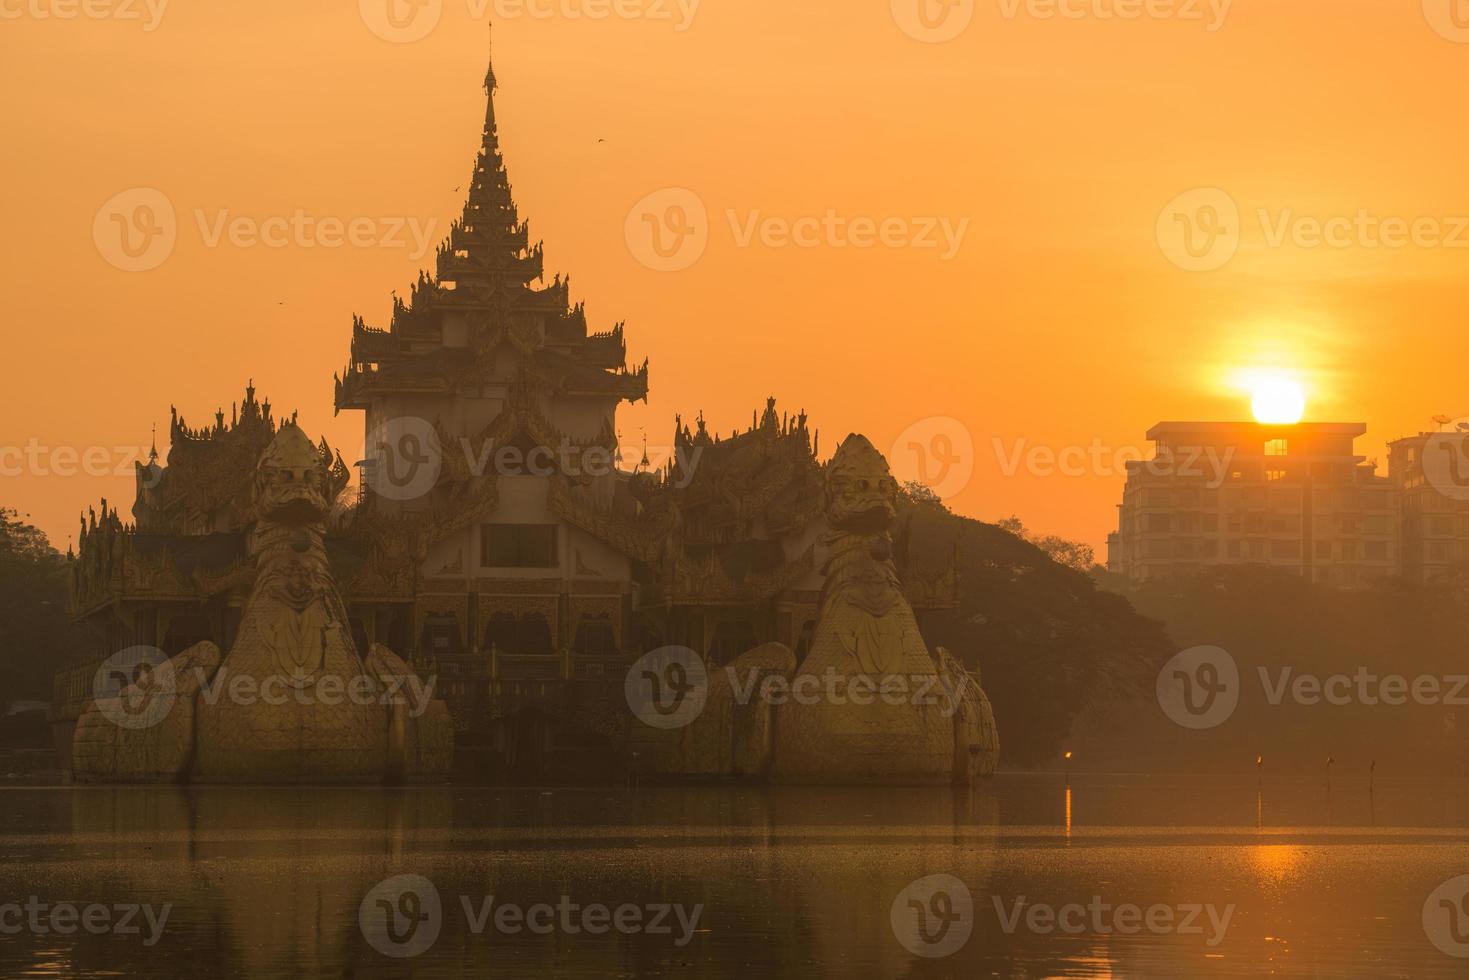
(1294, 497)
(1430, 474)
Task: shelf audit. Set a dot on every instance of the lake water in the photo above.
(1119, 876)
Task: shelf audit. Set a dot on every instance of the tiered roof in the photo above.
(487, 272)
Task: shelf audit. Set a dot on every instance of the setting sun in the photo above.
(1278, 401)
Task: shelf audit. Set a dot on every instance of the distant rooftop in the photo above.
(1300, 428)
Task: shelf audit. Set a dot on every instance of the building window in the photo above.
(1276, 447)
(1323, 550)
(524, 635)
(1274, 476)
(518, 546)
(1377, 551)
(1285, 549)
(595, 636)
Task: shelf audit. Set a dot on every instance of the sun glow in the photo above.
(1277, 400)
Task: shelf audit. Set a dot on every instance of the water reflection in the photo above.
(791, 881)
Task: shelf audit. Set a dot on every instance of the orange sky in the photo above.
(1060, 322)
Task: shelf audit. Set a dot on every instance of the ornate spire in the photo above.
(490, 74)
(491, 137)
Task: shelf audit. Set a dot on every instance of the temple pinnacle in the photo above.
(490, 84)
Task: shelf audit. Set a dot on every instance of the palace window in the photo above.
(1276, 447)
(525, 635)
(595, 636)
(518, 546)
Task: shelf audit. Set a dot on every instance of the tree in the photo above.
(1048, 643)
(35, 635)
(1314, 664)
(1072, 554)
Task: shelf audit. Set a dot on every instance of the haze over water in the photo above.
(770, 882)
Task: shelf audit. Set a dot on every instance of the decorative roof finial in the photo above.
(153, 453)
(490, 84)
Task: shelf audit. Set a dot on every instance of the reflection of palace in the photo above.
(528, 588)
